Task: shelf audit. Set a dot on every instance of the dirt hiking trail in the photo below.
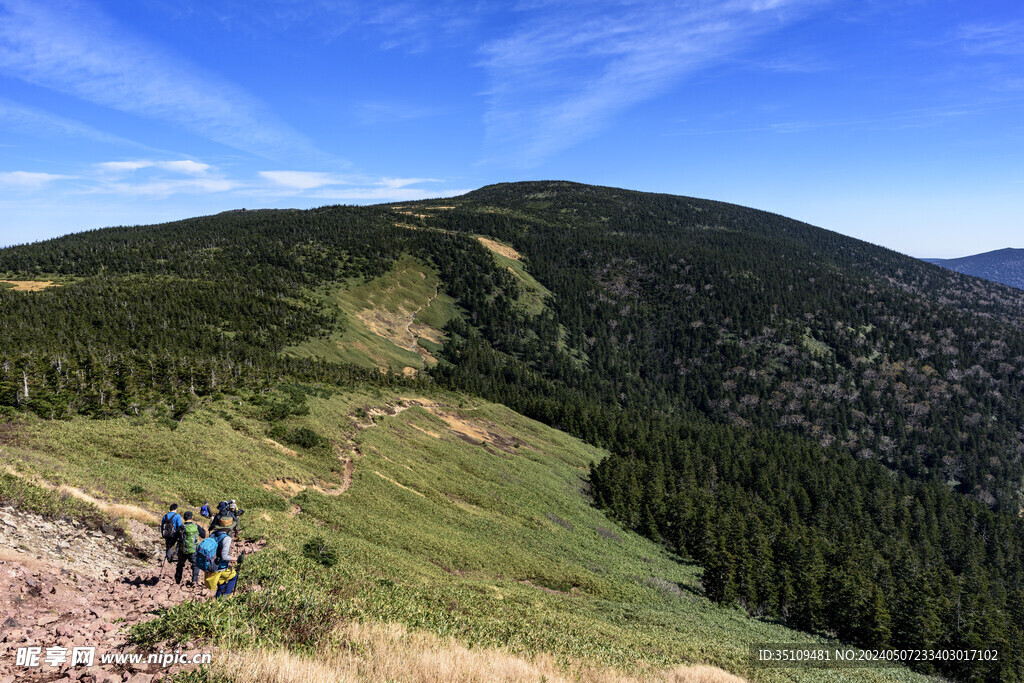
(63, 586)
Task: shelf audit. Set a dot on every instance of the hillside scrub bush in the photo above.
(319, 550)
(303, 437)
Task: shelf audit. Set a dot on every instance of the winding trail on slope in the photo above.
(423, 353)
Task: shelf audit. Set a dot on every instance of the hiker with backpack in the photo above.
(222, 512)
(237, 513)
(169, 526)
(188, 544)
(213, 557)
(226, 512)
(205, 510)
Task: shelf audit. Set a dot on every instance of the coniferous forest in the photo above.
(831, 429)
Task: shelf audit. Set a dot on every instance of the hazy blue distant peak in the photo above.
(1002, 265)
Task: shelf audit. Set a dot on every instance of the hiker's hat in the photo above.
(224, 523)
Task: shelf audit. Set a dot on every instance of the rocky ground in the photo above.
(64, 586)
(73, 545)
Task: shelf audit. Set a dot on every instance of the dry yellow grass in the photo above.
(30, 285)
(428, 432)
(462, 426)
(281, 447)
(401, 486)
(390, 652)
(290, 487)
(427, 332)
(113, 510)
(499, 248)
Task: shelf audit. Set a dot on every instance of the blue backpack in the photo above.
(206, 554)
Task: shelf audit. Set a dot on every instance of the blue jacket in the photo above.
(175, 519)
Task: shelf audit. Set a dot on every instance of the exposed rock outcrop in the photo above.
(63, 585)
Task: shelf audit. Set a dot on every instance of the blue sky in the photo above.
(896, 121)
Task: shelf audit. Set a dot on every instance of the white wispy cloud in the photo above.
(165, 187)
(186, 166)
(417, 26)
(385, 194)
(414, 26)
(334, 187)
(160, 179)
(794, 64)
(157, 178)
(561, 78)
(75, 50)
(992, 38)
(924, 117)
(27, 180)
(395, 183)
(302, 180)
(41, 124)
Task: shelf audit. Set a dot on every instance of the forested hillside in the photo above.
(758, 382)
(154, 316)
(751, 318)
(830, 428)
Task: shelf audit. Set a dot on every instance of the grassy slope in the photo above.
(30, 497)
(390, 300)
(489, 543)
(533, 292)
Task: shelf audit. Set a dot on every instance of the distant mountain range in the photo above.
(1002, 265)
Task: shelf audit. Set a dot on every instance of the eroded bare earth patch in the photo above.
(31, 285)
(291, 488)
(499, 248)
(474, 431)
(399, 327)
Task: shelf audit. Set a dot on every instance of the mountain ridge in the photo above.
(820, 423)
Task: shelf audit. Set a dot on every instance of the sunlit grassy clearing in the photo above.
(376, 317)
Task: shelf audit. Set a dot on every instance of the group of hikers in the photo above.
(212, 554)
